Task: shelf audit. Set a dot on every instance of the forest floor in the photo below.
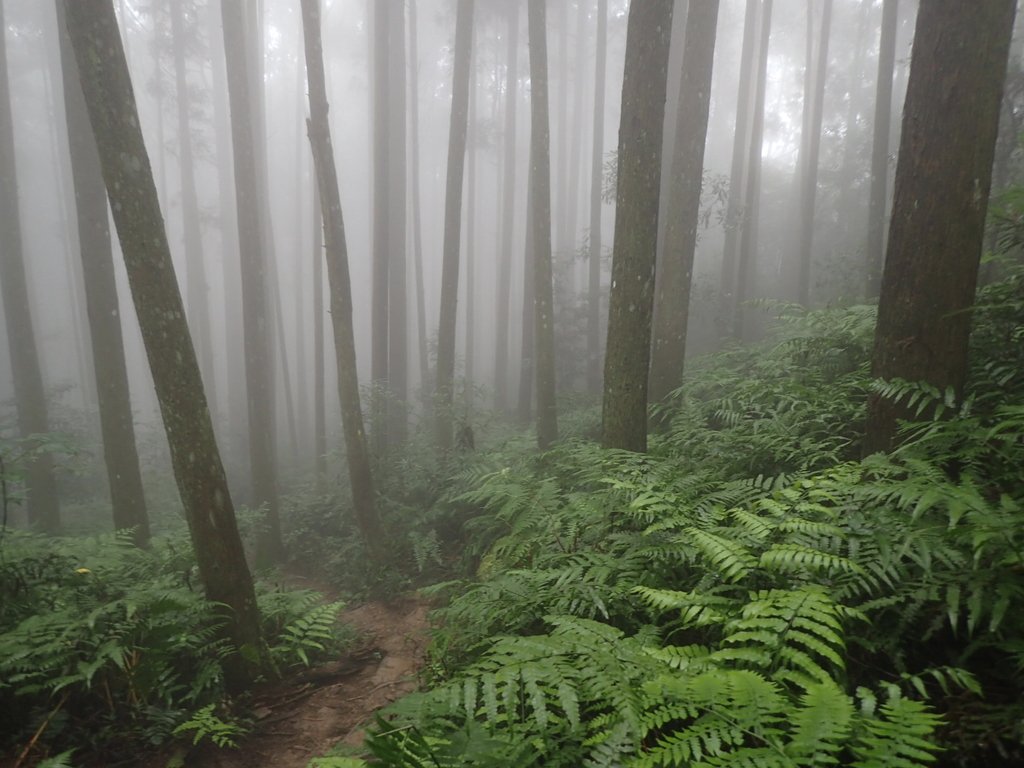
(310, 713)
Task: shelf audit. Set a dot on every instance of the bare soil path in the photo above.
(307, 715)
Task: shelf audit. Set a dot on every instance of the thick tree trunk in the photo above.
(197, 465)
(43, 508)
(540, 178)
(341, 290)
(809, 167)
(596, 178)
(747, 266)
(736, 206)
(120, 455)
(631, 302)
(256, 318)
(508, 208)
(880, 148)
(672, 307)
(950, 121)
(453, 225)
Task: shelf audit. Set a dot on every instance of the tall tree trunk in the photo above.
(195, 268)
(809, 169)
(576, 150)
(453, 225)
(746, 268)
(379, 314)
(356, 450)
(417, 228)
(631, 302)
(256, 319)
(508, 208)
(735, 208)
(943, 175)
(880, 147)
(202, 484)
(319, 405)
(470, 252)
(120, 455)
(524, 407)
(540, 177)
(672, 307)
(43, 508)
(398, 334)
(596, 178)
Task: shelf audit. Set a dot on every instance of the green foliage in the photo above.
(205, 724)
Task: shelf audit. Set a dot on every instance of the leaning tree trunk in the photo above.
(631, 302)
(673, 284)
(453, 225)
(356, 450)
(202, 484)
(124, 478)
(540, 178)
(950, 121)
(256, 318)
(43, 507)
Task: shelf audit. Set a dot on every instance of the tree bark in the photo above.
(256, 317)
(319, 401)
(672, 308)
(202, 484)
(540, 177)
(596, 178)
(631, 302)
(398, 337)
(880, 148)
(43, 507)
(341, 290)
(453, 225)
(120, 454)
(943, 176)
(379, 313)
(417, 228)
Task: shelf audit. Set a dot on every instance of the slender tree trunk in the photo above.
(596, 178)
(202, 484)
(398, 335)
(943, 175)
(576, 149)
(120, 455)
(453, 225)
(880, 147)
(508, 208)
(417, 228)
(672, 307)
(356, 450)
(43, 508)
(540, 166)
(319, 406)
(736, 211)
(470, 252)
(745, 269)
(524, 409)
(809, 182)
(257, 331)
(381, 230)
(631, 302)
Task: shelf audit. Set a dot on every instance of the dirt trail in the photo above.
(306, 716)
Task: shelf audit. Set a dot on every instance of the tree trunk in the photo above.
(379, 313)
(524, 407)
(576, 150)
(470, 251)
(202, 484)
(631, 302)
(672, 308)
(195, 269)
(736, 206)
(809, 167)
(398, 336)
(341, 290)
(256, 318)
(43, 507)
(596, 178)
(880, 147)
(417, 228)
(540, 178)
(943, 176)
(508, 208)
(453, 225)
(319, 405)
(746, 268)
(120, 455)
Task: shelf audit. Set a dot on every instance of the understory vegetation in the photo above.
(750, 592)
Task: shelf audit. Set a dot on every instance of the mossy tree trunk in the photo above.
(198, 470)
